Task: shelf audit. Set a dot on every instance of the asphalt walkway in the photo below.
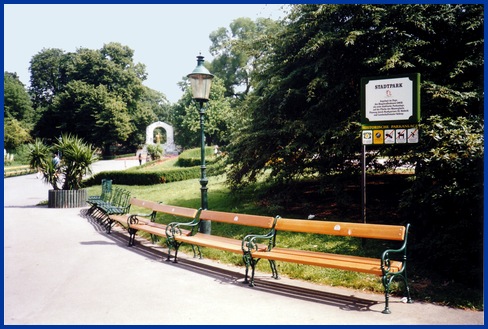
(60, 267)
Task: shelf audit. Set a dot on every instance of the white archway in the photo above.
(169, 146)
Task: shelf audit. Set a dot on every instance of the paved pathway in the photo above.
(62, 268)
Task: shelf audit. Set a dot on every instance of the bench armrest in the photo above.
(385, 257)
(133, 218)
(250, 242)
(175, 227)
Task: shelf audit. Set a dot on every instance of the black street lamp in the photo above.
(201, 80)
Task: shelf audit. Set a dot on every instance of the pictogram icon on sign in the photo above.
(413, 135)
(401, 137)
(378, 137)
(390, 136)
(367, 137)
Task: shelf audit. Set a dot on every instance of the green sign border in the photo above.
(414, 119)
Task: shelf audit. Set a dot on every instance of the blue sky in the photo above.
(165, 37)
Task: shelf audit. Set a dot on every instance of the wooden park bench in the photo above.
(137, 223)
(391, 265)
(176, 235)
(123, 219)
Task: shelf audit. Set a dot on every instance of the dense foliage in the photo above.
(135, 177)
(219, 117)
(101, 90)
(18, 115)
(187, 167)
(306, 99)
(302, 117)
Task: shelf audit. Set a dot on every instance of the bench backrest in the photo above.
(124, 199)
(239, 219)
(115, 196)
(142, 203)
(175, 210)
(106, 189)
(358, 230)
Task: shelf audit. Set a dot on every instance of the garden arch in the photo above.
(169, 146)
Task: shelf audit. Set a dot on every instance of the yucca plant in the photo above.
(40, 159)
(77, 158)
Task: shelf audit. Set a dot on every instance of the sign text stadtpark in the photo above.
(390, 109)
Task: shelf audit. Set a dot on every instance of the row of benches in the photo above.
(112, 201)
(253, 247)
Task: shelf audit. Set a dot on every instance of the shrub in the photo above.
(145, 178)
(445, 202)
(156, 152)
(77, 157)
(192, 157)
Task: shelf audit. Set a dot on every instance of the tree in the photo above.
(18, 112)
(445, 202)
(14, 134)
(235, 51)
(94, 112)
(16, 101)
(100, 89)
(303, 116)
(219, 117)
(111, 66)
(306, 99)
(48, 75)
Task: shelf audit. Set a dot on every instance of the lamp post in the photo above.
(200, 81)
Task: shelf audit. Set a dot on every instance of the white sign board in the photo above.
(389, 99)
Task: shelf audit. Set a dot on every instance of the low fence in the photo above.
(67, 198)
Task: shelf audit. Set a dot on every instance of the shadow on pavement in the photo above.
(268, 285)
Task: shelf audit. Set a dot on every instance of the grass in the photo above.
(424, 287)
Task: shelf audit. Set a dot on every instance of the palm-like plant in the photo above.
(40, 159)
(77, 157)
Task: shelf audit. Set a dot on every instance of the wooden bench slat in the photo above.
(240, 219)
(358, 230)
(342, 262)
(345, 258)
(122, 219)
(176, 211)
(143, 203)
(205, 240)
(153, 228)
(157, 229)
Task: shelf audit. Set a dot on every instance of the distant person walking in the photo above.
(56, 161)
(140, 159)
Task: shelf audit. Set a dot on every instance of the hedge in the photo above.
(192, 157)
(149, 178)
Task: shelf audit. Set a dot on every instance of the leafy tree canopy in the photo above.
(96, 94)
(306, 99)
(302, 117)
(16, 101)
(235, 51)
(218, 117)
